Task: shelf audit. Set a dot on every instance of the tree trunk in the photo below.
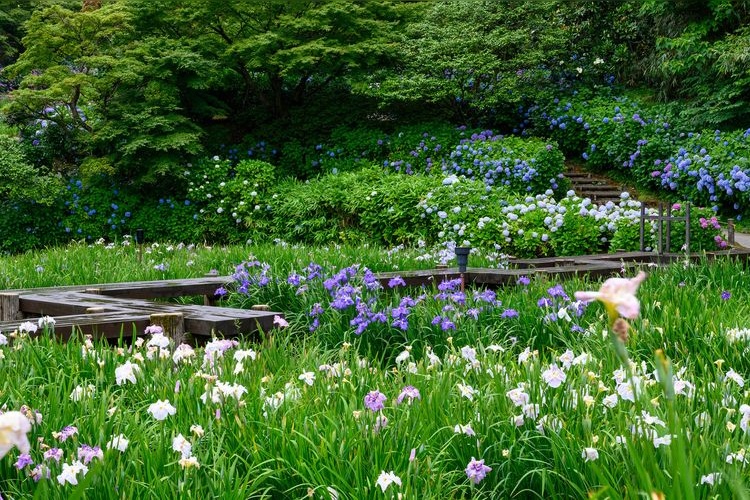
(89, 5)
(277, 95)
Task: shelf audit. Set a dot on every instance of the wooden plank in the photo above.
(68, 303)
(144, 289)
(199, 320)
(167, 289)
(208, 325)
(101, 325)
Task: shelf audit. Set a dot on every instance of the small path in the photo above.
(742, 239)
(600, 189)
(597, 188)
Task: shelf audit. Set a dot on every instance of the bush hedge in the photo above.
(649, 143)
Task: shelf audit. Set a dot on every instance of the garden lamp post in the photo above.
(139, 242)
(462, 258)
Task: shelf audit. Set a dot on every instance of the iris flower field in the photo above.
(629, 388)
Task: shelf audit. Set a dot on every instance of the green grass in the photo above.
(99, 263)
(286, 439)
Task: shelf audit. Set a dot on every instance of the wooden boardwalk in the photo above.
(557, 268)
(111, 309)
(114, 309)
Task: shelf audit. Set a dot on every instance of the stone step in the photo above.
(603, 193)
(583, 178)
(596, 187)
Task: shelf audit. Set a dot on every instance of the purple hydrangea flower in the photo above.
(375, 400)
(476, 470)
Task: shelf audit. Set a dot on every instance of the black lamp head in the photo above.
(139, 236)
(462, 257)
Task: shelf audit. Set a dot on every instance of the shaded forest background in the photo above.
(135, 86)
(127, 92)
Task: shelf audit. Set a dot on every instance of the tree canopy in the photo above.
(132, 82)
(135, 87)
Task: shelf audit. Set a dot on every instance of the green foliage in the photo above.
(100, 92)
(26, 225)
(21, 181)
(628, 233)
(408, 148)
(580, 235)
(278, 53)
(171, 220)
(478, 60)
(319, 210)
(250, 186)
(522, 165)
(700, 54)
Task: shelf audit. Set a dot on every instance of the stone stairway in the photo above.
(597, 188)
(600, 190)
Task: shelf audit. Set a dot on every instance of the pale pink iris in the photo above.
(618, 295)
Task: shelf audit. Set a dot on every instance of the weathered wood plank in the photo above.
(68, 303)
(144, 289)
(207, 325)
(100, 325)
(173, 288)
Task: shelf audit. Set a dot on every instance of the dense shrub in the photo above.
(19, 180)
(493, 192)
(26, 225)
(652, 146)
(522, 165)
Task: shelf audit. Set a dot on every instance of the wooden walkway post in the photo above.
(643, 227)
(9, 307)
(173, 325)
